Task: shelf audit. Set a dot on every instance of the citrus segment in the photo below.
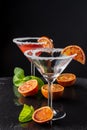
(74, 49)
(29, 88)
(48, 42)
(66, 79)
(43, 114)
(57, 90)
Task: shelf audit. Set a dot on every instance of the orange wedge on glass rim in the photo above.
(74, 49)
(48, 42)
(42, 114)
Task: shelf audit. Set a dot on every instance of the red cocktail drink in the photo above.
(30, 46)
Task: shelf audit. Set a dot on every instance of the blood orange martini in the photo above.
(32, 43)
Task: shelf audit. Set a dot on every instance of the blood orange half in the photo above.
(56, 89)
(66, 79)
(43, 114)
(29, 88)
(74, 49)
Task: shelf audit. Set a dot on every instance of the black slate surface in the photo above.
(74, 102)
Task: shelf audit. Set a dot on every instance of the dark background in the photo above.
(64, 21)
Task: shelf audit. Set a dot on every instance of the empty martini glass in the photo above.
(28, 43)
(50, 63)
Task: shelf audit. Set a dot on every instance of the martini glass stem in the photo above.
(50, 95)
(32, 69)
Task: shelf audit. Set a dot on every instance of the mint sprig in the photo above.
(19, 78)
(26, 113)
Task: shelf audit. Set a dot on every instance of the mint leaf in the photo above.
(26, 78)
(17, 81)
(26, 113)
(18, 76)
(18, 70)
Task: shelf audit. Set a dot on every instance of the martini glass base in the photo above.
(58, 115)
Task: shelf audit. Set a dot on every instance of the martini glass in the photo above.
(28, 43)
(50, 63)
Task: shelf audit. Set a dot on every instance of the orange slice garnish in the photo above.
(48, 42)
(28, 88)
(57, 90)
(43, 114)
(74, 49)
(66, 79)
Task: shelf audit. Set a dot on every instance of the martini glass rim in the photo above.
(34, 56)
(19, 40)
